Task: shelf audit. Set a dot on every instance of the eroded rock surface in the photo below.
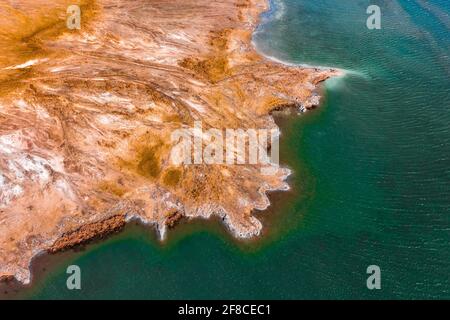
(86, 117)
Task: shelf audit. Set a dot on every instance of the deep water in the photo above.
(371, 183)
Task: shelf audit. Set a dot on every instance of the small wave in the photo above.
(344, 72)
(280, 9)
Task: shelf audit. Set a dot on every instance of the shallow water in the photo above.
(371, 181)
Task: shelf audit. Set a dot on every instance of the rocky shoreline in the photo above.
(85, 127)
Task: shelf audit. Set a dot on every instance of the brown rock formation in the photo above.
(86, 117)
(88, 232)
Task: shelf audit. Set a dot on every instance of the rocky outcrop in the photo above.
(87, 233)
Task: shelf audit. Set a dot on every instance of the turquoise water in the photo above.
(371, 182)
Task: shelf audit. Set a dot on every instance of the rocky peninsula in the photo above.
(86, 117)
